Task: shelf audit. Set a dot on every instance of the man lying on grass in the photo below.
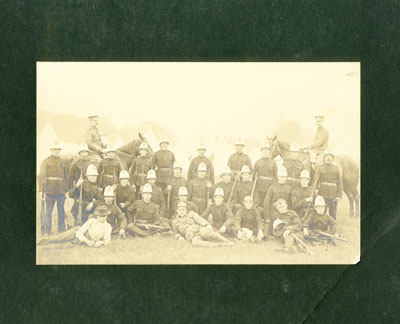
(95, 232)
(195, 229)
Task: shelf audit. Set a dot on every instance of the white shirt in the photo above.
(96, 230)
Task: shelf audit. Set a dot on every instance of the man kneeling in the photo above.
(196, 229)
(248, 222)
(95, 232)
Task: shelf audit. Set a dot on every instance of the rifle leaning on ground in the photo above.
(303, 246)
(231, 194)
(310, 203)
(80, 203)
(43, 207)
(331, 236)
(254, 187)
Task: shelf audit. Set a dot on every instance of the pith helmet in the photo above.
(83, 148)
(227, 170)
(265, 146)
(147, 188)
(239, 141)
(202, 167)
(329, 153)
(319, 116)
(143, 146)
(305, 174)
(91, 170)
(294, 147)
(282, 172)
(108, 192)
(124, 174)
(219, 192)
(278, 227)
(151, 175)
(319, 201)
(164, 140)
(55, 145)
(110, 149)
(183, 191)
(177, 165)
(245, 169)
(102, 211)
(181, 204)
(93, 117)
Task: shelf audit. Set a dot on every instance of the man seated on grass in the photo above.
(194, 228)
(248, 222)
(287, 226)
(144, 216)
(95, 232)
(219, 214)
(319, 221)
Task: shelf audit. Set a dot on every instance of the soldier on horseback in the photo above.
(320, 142)
(93, 137)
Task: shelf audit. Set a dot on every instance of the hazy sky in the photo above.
(205, 99)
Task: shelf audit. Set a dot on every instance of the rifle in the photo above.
(141, 187)
(43, 207)
(254, 187)
(309, 204)
(303, 246)
(80, 203)
(331, 236)
(168, 201)
(231, 194)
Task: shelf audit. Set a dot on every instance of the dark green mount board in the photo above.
(201, 31)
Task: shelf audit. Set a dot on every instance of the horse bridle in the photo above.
(275, 145)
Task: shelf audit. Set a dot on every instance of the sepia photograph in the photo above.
(198, 163)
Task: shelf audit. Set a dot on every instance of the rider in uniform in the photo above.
(93, 137)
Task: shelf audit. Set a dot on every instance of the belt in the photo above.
(164, 168)
(293, 179)
(141, 174)
(328, 183)
(110, 175)
(55, 178)
(199, 199)
(266, 178)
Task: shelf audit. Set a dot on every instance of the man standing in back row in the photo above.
(163, 162)
(238, 160)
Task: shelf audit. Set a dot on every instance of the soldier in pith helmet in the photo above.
(293, 166)
(163, 162)
(140, 167)
(201, 158)
(199, 187)
(79, 167)
(301, 197)
(176, 182)
(109, 169)
(239, 159)
(157, 196)
(125, 194)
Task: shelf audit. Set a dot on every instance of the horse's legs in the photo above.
(356, 196)
(350, 197)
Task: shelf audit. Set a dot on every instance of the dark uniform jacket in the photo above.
(294, 168)
(194, 164)
(163, 162)
(265, 170)
(116, 219)
(188, 225)
(298, 199)
(323, 222)
(226, 187)
(109, 170)
(139, 169)
(221, 215)
(197, 190)
(249, 218)
(90, 192)
(328, 180)
(126, 195)
(237, 160)
(93, 140)
(291, 220)
(275, 192)
(77, 168)
(176, 183)
(321, 139)
(158, 198)
(244, 189)
(53, 173)
(144, 213)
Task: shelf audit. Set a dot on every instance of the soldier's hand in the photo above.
(103, 151)
(260, 235)
(336, 235)
(305, 231)
(79, 182)
(209, 184)
(141, 189)
(169, 187)
(222, 229)
(309, 199)
(90, 206)
(337, 199)
(286, 233)
(210, 218)
(90, 243)
(122, 232)
(122, 205)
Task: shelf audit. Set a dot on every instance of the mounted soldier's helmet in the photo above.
(202, 167)
(102, 211)
(265, 146)
(282, 172)
(151, 175)
(143, 146)
(319, 116)
(91, 170)
(329, 153)
(177, 165)
(239, 141)
(201, 146)
(124, 174)
(278, 227)
(219, 192)
(305, 174)
(108, 192)
(163, 139)
(294, 147)
(245, 169)
(183, 191)
(110, 149)
(319, 201)
(227, 170)
(93, 117)
(147, 188)
(83, 148)
(55, 145)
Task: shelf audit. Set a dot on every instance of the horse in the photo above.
(348, 169)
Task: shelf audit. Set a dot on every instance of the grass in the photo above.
(167, 250)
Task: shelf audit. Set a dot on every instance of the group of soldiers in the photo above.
(152, 197)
